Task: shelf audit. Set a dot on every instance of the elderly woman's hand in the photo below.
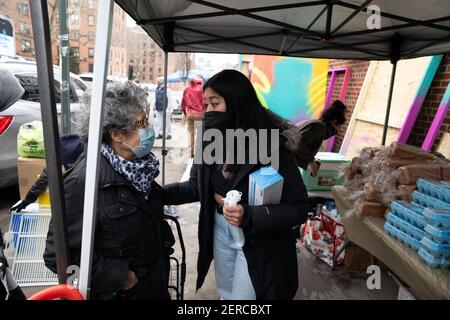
(234, 214)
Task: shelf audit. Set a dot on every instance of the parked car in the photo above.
(88, 77)
(28, 109)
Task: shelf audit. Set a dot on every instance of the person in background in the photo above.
(193, 107)
(71, 147)
(159, 110)
(130, 259)
(305, 140)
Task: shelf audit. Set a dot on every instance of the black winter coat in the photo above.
(128, 235)
(270, 243)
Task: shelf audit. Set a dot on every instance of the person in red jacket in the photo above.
(193, 107)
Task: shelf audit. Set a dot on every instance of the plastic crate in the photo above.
(429, 201)
(411, 212)
(24, 250)
(331, 172)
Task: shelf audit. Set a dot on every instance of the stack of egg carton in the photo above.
(424, 224)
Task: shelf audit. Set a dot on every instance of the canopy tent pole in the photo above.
(396, 42)
(102, 47)
(41, 35)
(164, 150)
(388, 108)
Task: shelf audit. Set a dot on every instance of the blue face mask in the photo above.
(147, 138)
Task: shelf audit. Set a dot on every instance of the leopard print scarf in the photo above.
(139, 173)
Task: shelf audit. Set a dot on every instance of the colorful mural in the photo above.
(294, 88)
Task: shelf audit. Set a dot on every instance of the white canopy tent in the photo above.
(314, 29)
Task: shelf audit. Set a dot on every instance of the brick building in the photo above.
(426, 115)
(145, 57)
(82, 17)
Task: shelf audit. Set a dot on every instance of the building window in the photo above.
(24, 28)
(74, 36)
(74, 19)
(75, 52)
(91, 20)
(91, 67)
(90, 4)
(91, 52)
(143, 61)
(25, 46)
(159, 70)
(91, 36)
(22, 8)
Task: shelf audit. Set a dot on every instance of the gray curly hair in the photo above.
(123, 100)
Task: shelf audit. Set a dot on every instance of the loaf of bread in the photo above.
(365, 208)
(407, 190)
(411, 173)
(407, 152)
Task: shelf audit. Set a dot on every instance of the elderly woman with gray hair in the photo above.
(129, 260)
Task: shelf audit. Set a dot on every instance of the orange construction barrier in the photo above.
(61, 291)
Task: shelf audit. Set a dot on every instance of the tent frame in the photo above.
(41, 35)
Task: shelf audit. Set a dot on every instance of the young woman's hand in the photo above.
(234, 214)
(130, 282)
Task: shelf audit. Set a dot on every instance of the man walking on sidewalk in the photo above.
(159, 110)
(193, 107)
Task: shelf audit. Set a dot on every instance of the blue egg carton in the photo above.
(437, 217)
(410, 212)
(424, 186)
(402, 236)
(435, 248)
(429, 201)
(433, 262)
(440, 235)
(405, 226)
(437, 189)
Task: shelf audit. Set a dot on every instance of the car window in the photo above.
(79, 88)
(31, 86)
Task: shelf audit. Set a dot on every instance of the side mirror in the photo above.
(10, 89)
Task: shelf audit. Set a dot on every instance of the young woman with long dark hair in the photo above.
(266, 266)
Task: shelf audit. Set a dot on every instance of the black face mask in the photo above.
(215, 120)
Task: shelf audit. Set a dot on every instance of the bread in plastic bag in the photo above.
(364, 208)
(411, 173)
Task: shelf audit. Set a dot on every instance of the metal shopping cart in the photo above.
(177, 274)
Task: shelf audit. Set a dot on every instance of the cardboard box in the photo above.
(331, 172)
(265, 187)
(29, 170)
